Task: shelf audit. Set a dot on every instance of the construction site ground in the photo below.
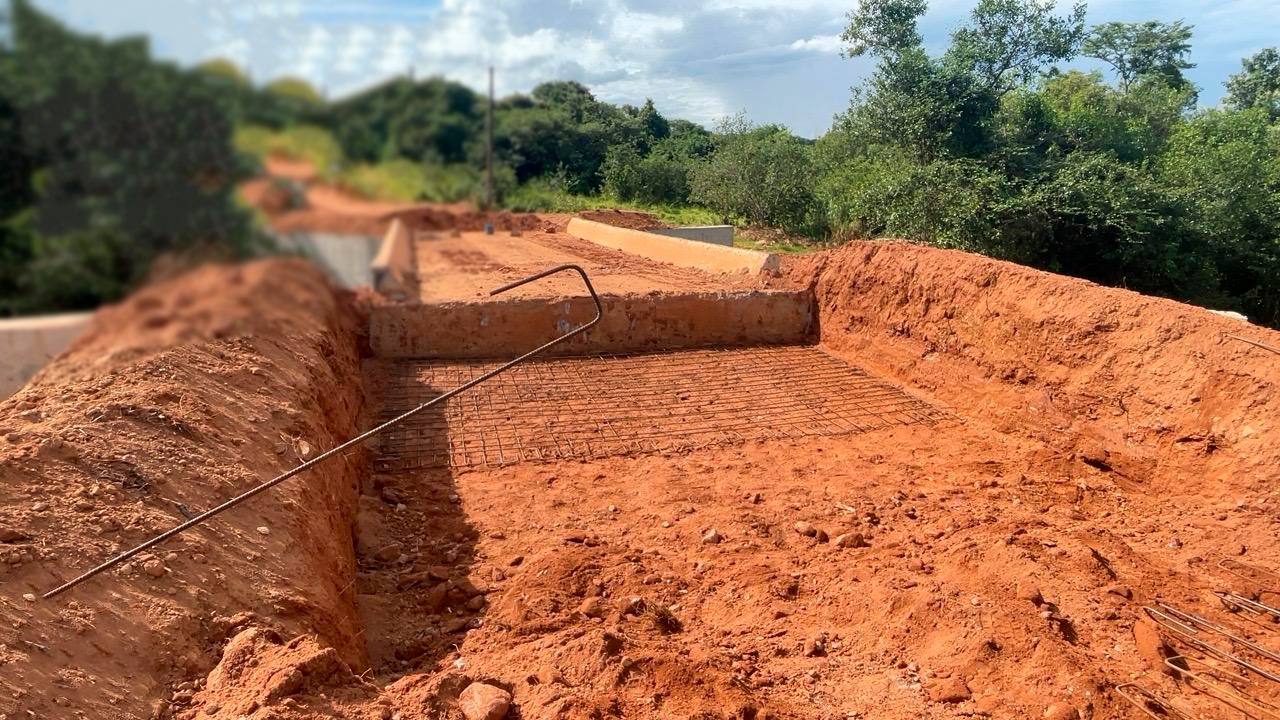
(953, 500)
(468, 265)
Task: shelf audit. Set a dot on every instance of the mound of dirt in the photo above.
(314, 219)
(182, 396)
(633, 219)
(444, 219)
(1097, 451)
(1143, 386)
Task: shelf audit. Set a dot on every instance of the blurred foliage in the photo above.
(990, 148)
(295, 89)
(110, 161)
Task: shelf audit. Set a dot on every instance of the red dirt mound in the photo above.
(1100, 451)
(1145, 386)
(632, 219)
(178, 398)
(442, 219)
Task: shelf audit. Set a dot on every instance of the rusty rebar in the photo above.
(1185, 626)
(353, 441)
(1255, 343)
(1149, 703)
(1235, 602)
(1217, 684)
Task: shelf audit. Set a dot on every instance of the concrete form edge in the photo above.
(676, 251)
(392, 267)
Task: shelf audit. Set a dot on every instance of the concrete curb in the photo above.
(676, 251)
(28, 343)
(392, 267)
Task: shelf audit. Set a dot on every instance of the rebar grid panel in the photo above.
(591, 407)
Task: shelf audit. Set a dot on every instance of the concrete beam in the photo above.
(714, 234)
(27, 344)
(392, 267)
(346, 258)
(676, 251)
(631, 323)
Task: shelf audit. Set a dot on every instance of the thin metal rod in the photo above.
(1201, 622)
(1145, 700)
(355, 440)
(1236, 602)
(1255, 343)
(1187, 633)
(1219, 687)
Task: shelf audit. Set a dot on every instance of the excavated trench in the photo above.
(958, 501)
(428, 562)
(414, 545)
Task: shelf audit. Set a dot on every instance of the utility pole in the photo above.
(488, 148)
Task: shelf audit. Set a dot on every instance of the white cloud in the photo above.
(777, 59)
(819, 43)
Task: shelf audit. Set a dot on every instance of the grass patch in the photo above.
(300, 142)
(664, 621)
(776, 241)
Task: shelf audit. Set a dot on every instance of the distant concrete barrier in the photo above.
(346, 258)
(392, 267)
(27, 344)
(714, 234)
(673, 250)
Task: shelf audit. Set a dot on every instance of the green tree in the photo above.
(654, 124)
(914, 101)
(1008, 43)
(295, 89)
(124, 160)
(1223, 168)
(883, 27)
(573, 98)
(1146, 49)
(654, 179)
(1257, 84)
(224, 69)
(763, 175)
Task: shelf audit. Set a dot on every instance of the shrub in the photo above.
(763, 175)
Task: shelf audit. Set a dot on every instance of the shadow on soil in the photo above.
(414, 549)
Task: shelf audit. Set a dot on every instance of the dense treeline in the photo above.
(990, 147)
(107, 161)
(993, 145)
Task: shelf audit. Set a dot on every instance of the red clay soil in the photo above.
(1104, 449)
(632, 219)
(442, 219)
(180, 397)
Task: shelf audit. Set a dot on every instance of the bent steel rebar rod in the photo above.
(359, 438)
(1149, 703)
(1184, 626)
(1219, 684)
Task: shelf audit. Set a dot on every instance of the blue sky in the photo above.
(777, 60)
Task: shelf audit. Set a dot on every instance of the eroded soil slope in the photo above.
(184, 395)
(1154, 391)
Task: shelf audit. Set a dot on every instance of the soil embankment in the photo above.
(180, 397)
(1152, 390)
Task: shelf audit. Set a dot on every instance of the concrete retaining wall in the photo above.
(346, 258)
(392, 267)
(27, 344)
(640, 323)
(714, 234)
(677, 251)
